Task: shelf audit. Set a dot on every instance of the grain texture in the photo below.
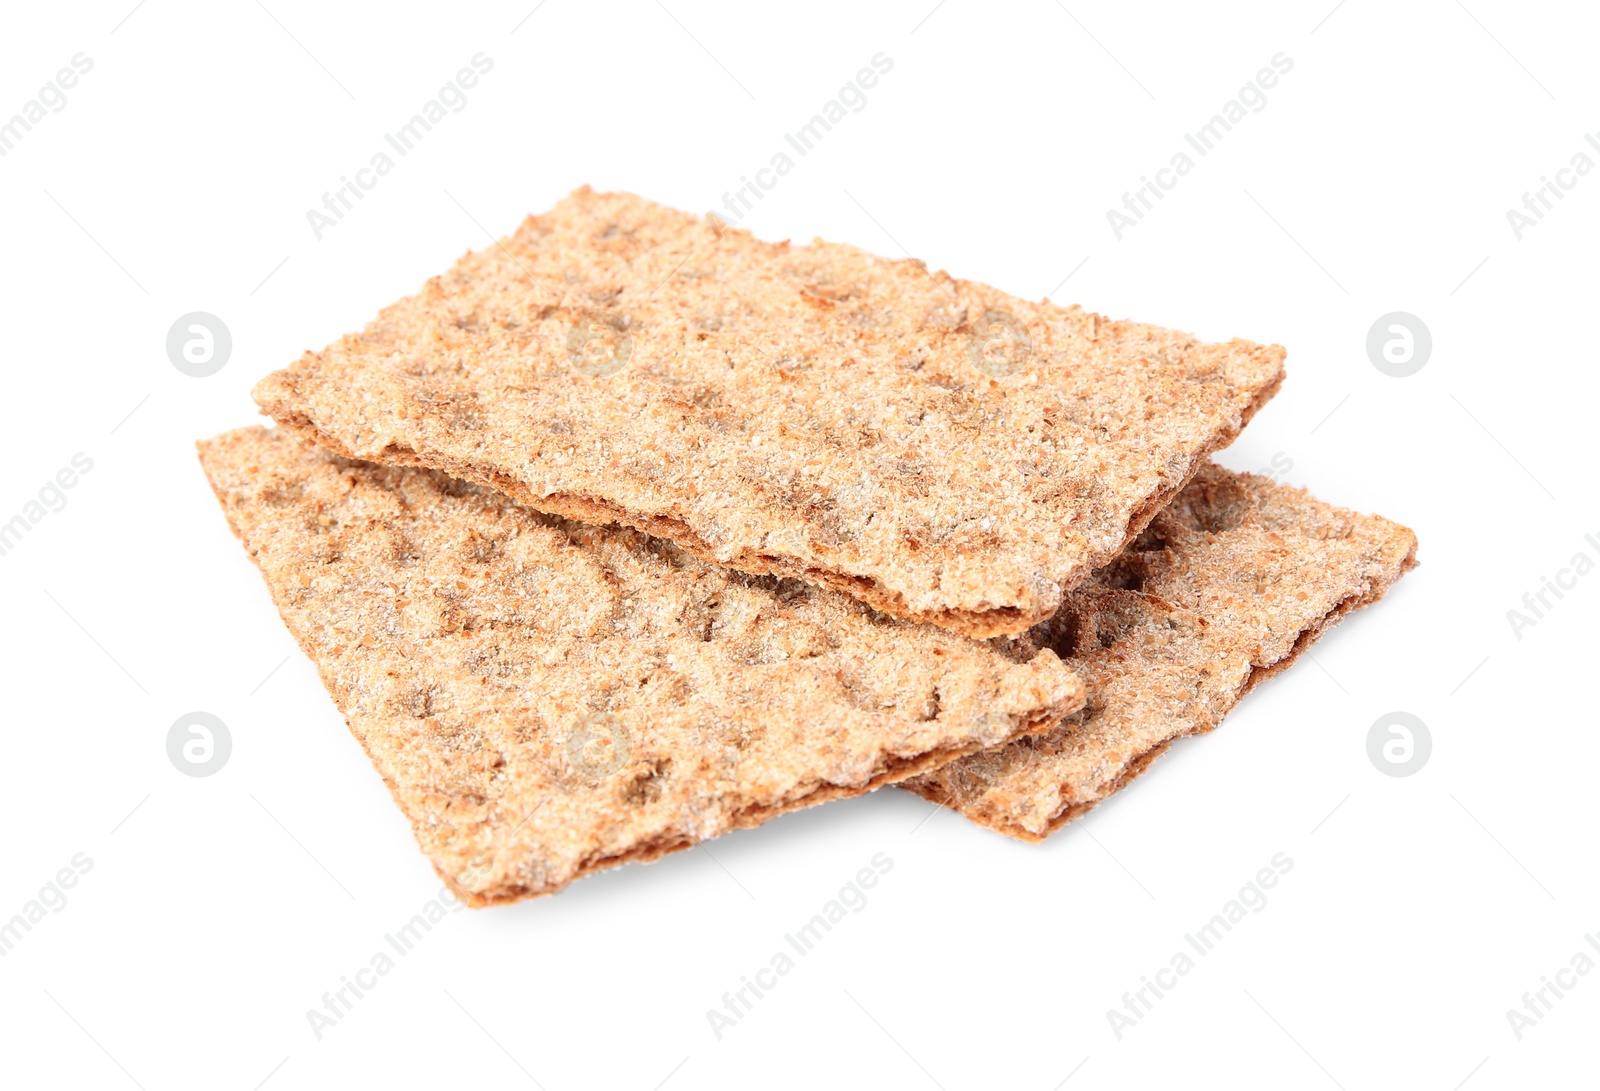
(934, 447)
(546, 698)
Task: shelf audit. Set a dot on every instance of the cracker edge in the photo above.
(1141, 762)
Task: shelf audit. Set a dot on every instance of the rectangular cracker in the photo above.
(1226, 587)
(934, 447)
(546, 699)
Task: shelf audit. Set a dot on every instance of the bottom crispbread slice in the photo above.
(1226, 587)
(546, 699)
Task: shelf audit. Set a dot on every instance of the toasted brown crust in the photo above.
(1227, 587)
(497, 665)
(814, 412)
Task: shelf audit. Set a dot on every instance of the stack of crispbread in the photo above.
(632, 529)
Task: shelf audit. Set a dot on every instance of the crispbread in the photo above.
(545, 699)
(1227, 586)
(814, 412)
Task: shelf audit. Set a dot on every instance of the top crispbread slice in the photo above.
(934, 447)
(1227, 587)
(546, 698)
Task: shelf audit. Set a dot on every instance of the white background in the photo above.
(1377, 178)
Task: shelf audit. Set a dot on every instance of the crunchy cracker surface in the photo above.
(545, 699)
(934, 447)
(1225, 588)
